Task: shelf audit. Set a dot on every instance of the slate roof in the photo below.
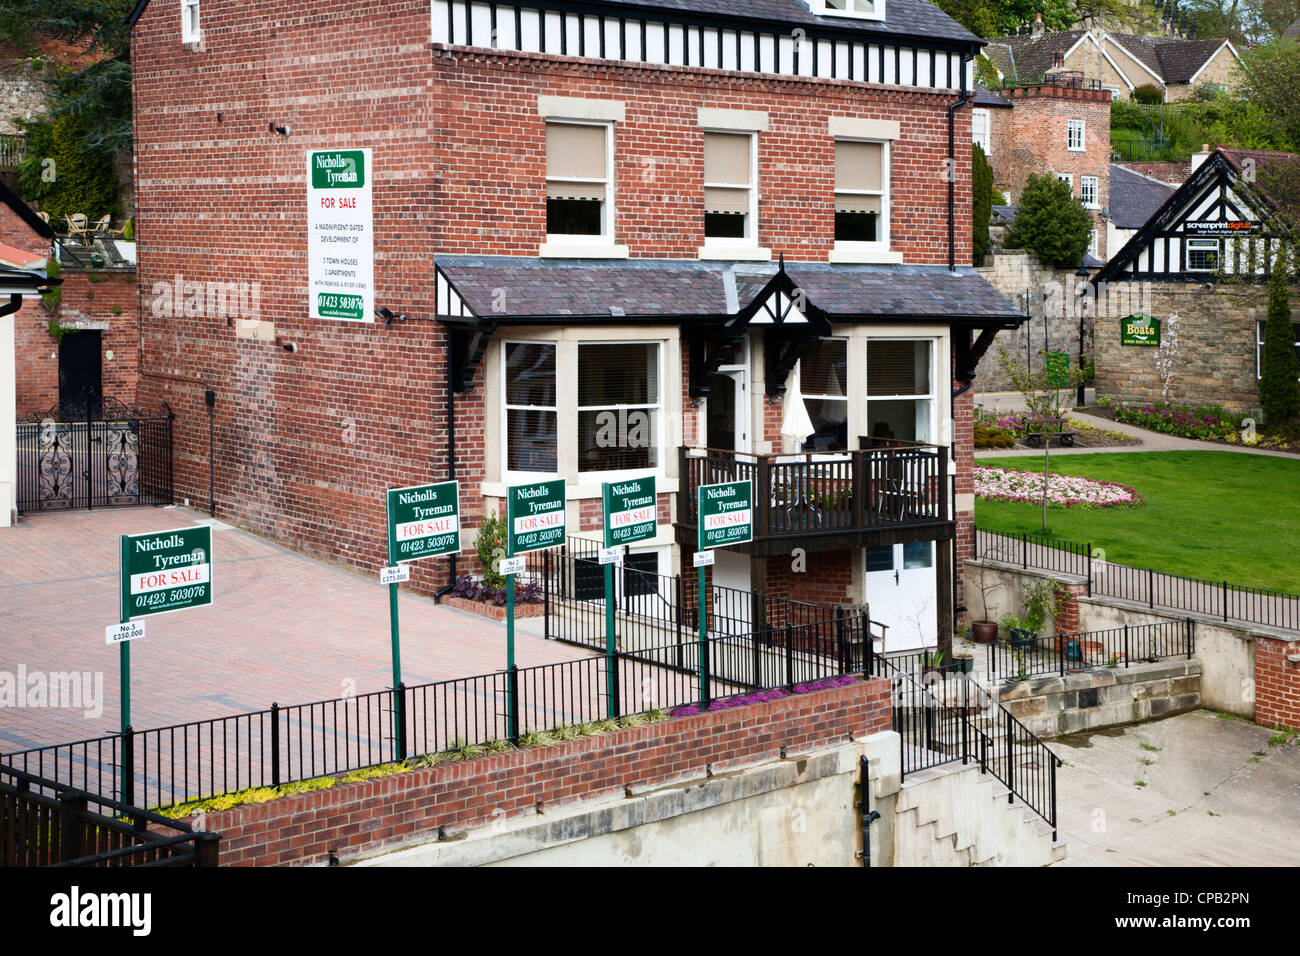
(1007, 213)
(918, 18)
(1027, 57)
(987, 98)
(1134, 198)
(687, 288)
(1174, 61)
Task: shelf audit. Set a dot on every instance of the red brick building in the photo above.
(606, 237)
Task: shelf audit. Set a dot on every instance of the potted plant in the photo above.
(985, 631)
(932, 663)
(963, 661)
(1021, 634)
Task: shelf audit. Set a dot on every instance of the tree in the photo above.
(98, 94)
(1279, 390)
(1272, 76)
(1050, 223)
(982, 201)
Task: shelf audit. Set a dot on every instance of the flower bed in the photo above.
(762, 696)
(1204, 423)
(480, 598)
(1065, 491)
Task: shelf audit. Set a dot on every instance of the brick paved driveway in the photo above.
(283, 628)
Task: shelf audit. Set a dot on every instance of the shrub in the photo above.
(1051, 223)
(1148, 94)
(82, 180)
(1279, 392)
(1207, 423)
(491, 546)
(982, 198)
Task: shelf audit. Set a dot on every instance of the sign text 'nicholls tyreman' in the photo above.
(166, 571)
(423, 521)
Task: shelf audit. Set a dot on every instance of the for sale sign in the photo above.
(535, 516)
(423, 521)
(631, 511)
(166, 571)
(340, 235)
(726, 514)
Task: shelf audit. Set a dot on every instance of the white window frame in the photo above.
(507, 473)
(1094, 249)
(1082, 127)
(1067, 178)
(750, 239)
(607, 216)
(188, 35)
(619, 474)
(1200, 242)
(877, 11)
(848, 248)
(1259, 346)
(1084, 182)
(985, 139)
(846, 398)
(932, 422)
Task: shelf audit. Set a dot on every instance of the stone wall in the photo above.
(1215, 364)
(1017, 275)
(1057, 705)
(23, 95)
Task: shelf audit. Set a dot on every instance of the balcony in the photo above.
(884, 493)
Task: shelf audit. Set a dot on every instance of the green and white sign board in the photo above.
(340, 235)
(165, 571)
(535, 516)
(726, 514)
(631, 511)
(423, 521)
(1139, 329)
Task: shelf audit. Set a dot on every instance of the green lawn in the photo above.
(1208, 514)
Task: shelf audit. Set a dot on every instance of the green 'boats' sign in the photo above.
(1139, 329)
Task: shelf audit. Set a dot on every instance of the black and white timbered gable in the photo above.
(1218, 223)
(898, 42)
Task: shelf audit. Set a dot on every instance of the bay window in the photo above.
(900, 389)
(531, 410)
(823, 381)
(619, 406)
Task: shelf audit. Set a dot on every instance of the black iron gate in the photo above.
(94, 454)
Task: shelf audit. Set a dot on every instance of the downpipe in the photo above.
(952, 167)
(869, 816)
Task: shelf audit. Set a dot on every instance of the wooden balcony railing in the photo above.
(13, 150)
(826, 494)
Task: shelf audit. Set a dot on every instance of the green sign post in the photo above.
(1140, 329)
(725, 516)
(423, 522)
(160, 572)
(631, 515)
(534, 522)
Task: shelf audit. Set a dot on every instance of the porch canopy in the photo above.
(714, 302)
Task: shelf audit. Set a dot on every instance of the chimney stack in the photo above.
(1202, 156)
(1038, 25)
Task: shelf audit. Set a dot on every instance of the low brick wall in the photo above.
(353, 819)
(1069, 704)
(1277, 682)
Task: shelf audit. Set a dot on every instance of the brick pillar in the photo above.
(1277, 682)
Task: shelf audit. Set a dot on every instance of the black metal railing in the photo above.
(1087, 650)
(46, 823)
(94, 452)
(165, 766)
(1158, 590)
(826, 493)
(943, 717)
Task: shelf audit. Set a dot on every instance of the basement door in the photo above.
(902, 593)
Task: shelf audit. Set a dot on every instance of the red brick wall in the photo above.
(306, 442)
(1277, 683)
(17, 233)
(104, 301)
(355, 818)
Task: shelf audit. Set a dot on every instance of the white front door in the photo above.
(732, 601)
(902, 594)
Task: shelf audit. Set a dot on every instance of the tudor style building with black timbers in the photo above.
(701, 240)
(1203, 258)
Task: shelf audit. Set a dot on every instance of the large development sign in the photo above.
(340, 235)
(423, 521)
(535, 516)
(165, 571)
(726, 514)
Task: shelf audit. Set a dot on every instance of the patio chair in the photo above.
(44, 216)
(77, 226)
(102, 226)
